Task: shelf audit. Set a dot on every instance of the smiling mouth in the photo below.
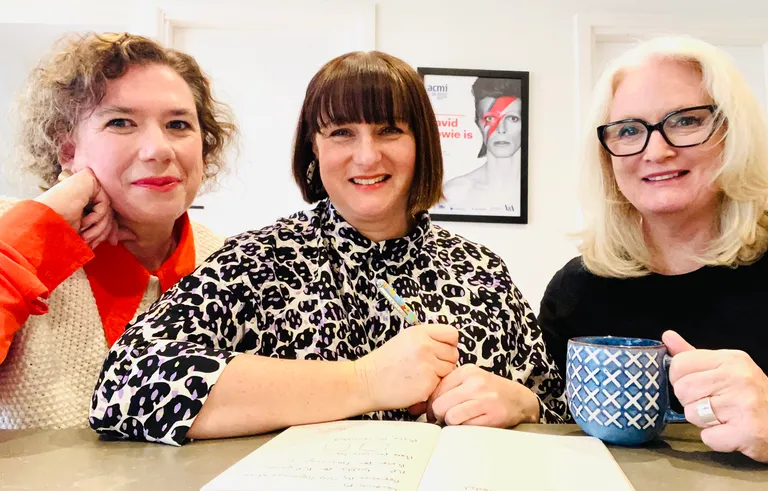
(666, 177)
(157, 181)
(369, 182)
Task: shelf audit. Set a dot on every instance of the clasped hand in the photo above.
(417, 369)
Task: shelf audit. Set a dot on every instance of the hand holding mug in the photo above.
(724, 392)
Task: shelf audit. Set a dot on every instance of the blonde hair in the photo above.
(612, 240)
(69, 84)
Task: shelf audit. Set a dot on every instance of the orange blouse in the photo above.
(39, 250)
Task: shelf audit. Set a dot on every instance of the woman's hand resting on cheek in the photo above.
(82, 202)
(470, 395)
(735, 388)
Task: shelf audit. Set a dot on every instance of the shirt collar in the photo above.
(119, 281)
(346, 239)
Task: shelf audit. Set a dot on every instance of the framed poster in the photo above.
(482, 116)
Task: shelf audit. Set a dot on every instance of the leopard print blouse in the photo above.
(304, 288)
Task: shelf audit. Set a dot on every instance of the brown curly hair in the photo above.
(68, 85)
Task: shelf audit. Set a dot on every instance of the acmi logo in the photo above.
(438, 91)
(437, 88)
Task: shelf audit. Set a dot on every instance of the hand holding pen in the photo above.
(406, 369)
(467, 394)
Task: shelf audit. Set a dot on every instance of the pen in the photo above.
(396, 301)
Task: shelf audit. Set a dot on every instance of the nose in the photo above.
(155, 145)
(658, 150)
(367, 152)
(502, 128)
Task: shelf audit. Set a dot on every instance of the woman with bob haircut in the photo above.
(287, 325)
(676, 213)
(122, 132)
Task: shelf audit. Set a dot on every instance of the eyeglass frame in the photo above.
(656, 127)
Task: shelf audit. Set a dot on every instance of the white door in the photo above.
(261, 67)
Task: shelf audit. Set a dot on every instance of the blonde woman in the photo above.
(675, 237)
(123, 132)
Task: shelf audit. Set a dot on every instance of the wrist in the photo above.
(362, 386)
(50, 200)
(530, 408)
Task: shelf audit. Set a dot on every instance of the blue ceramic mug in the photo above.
(618, 388)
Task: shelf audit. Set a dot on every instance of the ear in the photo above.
(67, 155)
(314, 147)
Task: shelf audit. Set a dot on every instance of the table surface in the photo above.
(77, 459)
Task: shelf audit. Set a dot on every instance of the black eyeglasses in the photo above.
(682, 128)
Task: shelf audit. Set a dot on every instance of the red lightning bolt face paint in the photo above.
(492, 117)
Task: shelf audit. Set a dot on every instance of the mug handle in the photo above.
(671, 416)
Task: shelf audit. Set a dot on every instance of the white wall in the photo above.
(535, 36)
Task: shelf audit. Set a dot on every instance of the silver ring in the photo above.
(705, 412)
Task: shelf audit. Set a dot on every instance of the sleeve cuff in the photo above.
(11, 325)
(46, 240)
(171, 405)
(548, 416)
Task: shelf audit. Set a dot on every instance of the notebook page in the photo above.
(470, 458)
(343, 455)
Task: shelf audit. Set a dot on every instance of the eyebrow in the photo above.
(181, 112)
(109, 109)
(675, 108)
(113, 109)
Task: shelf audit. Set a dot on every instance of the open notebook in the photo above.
(404, 456)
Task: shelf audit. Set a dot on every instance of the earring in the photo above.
(311, 171)
(64, 174)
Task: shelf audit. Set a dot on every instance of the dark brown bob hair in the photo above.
(374, 88)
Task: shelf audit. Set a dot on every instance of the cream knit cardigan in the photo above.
(48, 377)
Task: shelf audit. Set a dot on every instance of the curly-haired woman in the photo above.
(122, 132)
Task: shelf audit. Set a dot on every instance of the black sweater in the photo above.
(713, 307)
